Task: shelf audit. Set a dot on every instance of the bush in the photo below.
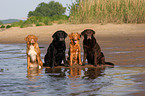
(8, 26)
(39, 24)
(2, 26)
(41, 21)
(17, 24)
(59, 17)
(26, 24)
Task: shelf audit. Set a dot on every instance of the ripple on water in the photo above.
(16, 80)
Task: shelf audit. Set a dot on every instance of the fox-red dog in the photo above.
(74, 50)
(33, 52)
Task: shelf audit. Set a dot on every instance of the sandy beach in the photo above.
(44, 33)
(122, 44)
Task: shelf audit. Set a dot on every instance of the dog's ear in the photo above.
(35, 38)
(54, 35)
(70, 36)
(79, 36)
(26, 38)
(65, 34)
(92, 31)
(83, 33)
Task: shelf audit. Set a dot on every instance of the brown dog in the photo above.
(33, 52)
(74, 50)
(92, 50)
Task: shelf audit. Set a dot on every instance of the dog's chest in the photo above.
(75, 50)
(32, 53)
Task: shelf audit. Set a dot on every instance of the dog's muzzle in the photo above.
(32, 41)
(89, 37)
(75, 41)
(61, 39)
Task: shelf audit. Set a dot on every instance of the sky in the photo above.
(19, 9)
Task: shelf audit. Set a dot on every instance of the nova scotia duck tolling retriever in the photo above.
(74, 49)
(33, 52)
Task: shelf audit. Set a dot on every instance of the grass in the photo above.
(107, 11)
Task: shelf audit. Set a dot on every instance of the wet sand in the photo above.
(122, 44)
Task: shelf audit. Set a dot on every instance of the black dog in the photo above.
(56, 50)
(92, 50)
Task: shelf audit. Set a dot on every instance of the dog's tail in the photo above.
(110, 64)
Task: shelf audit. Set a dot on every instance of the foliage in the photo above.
(2, 26)
(107, 11)
(39, 24)
(5, 26)
(26, 24)
(41, 21)
(50, 9)
(8, 26)
(17, 24)
(44, 14)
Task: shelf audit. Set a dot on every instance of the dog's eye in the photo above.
(59, 34)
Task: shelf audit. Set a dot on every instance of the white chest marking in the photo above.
(32, 53)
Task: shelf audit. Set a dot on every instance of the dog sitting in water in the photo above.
(74, 49)
(33, 52)
(56, 50)
(92, 50)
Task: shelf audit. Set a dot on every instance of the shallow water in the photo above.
(16, 80)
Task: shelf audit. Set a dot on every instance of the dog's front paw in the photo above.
(80, 63)
(84, 62)
(40, 67)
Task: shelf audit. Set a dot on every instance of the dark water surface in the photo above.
(16, 80)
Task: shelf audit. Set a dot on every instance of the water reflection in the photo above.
(74, 72)
(55, 72)
(33, 74)
(93, 73)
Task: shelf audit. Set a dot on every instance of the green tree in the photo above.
(50, 9)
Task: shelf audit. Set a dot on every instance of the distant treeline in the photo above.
(8, 21)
